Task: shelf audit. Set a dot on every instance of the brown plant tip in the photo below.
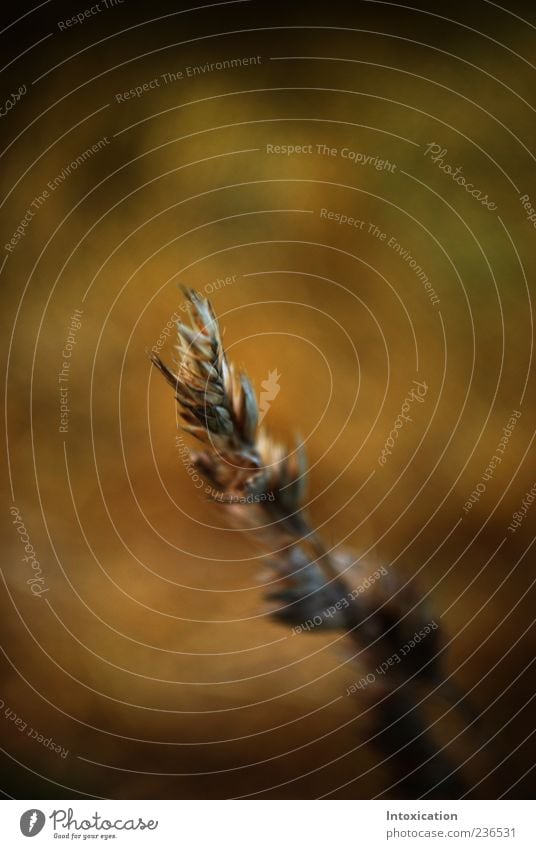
(261, 486)
(260, 483)
(218, 406)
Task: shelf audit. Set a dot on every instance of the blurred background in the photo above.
(142, 648)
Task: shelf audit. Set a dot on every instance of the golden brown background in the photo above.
(150, 657)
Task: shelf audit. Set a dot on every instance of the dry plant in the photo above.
(261, 485)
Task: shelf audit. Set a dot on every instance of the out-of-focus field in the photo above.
(150, 651)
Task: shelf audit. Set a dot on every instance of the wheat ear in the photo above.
(262, 487)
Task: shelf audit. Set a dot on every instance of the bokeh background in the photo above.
(149, 656)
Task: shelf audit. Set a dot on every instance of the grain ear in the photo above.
(262, 487)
